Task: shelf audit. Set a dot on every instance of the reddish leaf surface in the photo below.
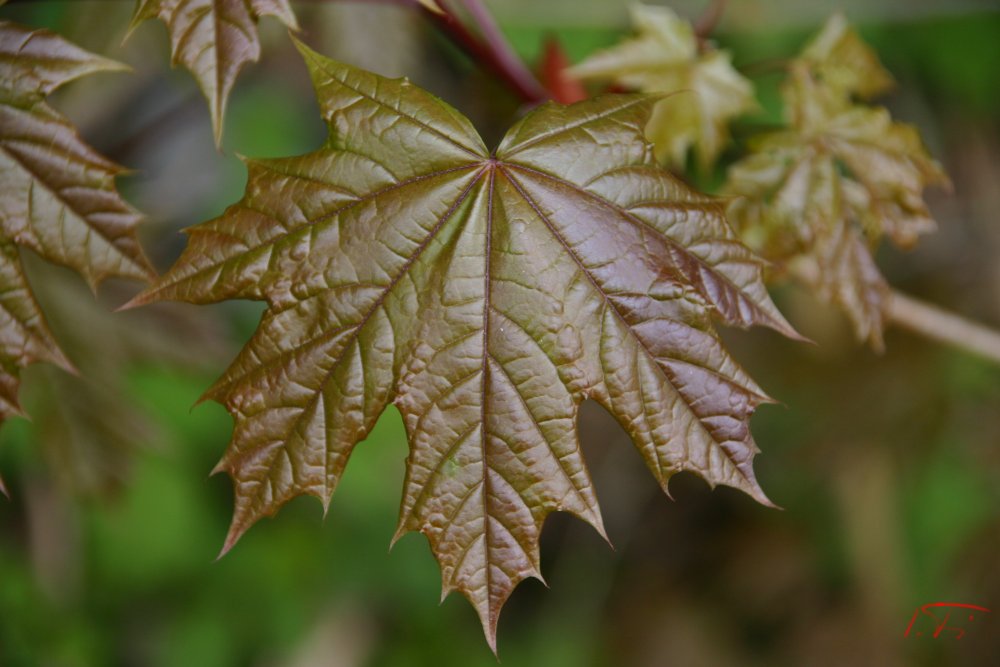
(214, 39)
(486, 295)
(57, 197)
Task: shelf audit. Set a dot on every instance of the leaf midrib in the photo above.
(479, 154)
(610, 304)
(659, 234)
(35, 177)
(349, 340)
(363, 199)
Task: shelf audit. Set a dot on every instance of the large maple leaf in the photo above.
(665, 57)
(823, 193)
(486, 295)
(57, 197)
(214, 39)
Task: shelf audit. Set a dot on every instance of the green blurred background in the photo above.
(887, 467)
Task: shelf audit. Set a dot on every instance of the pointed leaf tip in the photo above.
(308, 53)
(432, 5)
(194, 30)
(141, 299)
(490, 632)
(236, 531)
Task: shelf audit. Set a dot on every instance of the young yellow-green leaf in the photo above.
(843, 62)
(214, 39)
(664, 57)
(57, 197)
(486, 296)
(824, 192)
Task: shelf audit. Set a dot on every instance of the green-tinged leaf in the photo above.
(824, 192)
(57, 197)
(842, 61)
(486, 296)
(214, 39)
(89, 426)
(664, 57)
(87, 430)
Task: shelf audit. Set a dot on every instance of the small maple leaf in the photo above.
(664, 57)
(57, 197)
(214, 39)
(839, 58)
(824, 192)
(486, 296)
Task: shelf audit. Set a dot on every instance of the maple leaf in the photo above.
(57, 197)
(665, 57)
(214, 39)
(839, 58)
(823, 193)
(486, 296)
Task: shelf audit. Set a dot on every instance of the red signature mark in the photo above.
(942, 623)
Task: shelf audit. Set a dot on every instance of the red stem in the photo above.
(706, 23)
(492, 52)
(497, 57)
(502, 50)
